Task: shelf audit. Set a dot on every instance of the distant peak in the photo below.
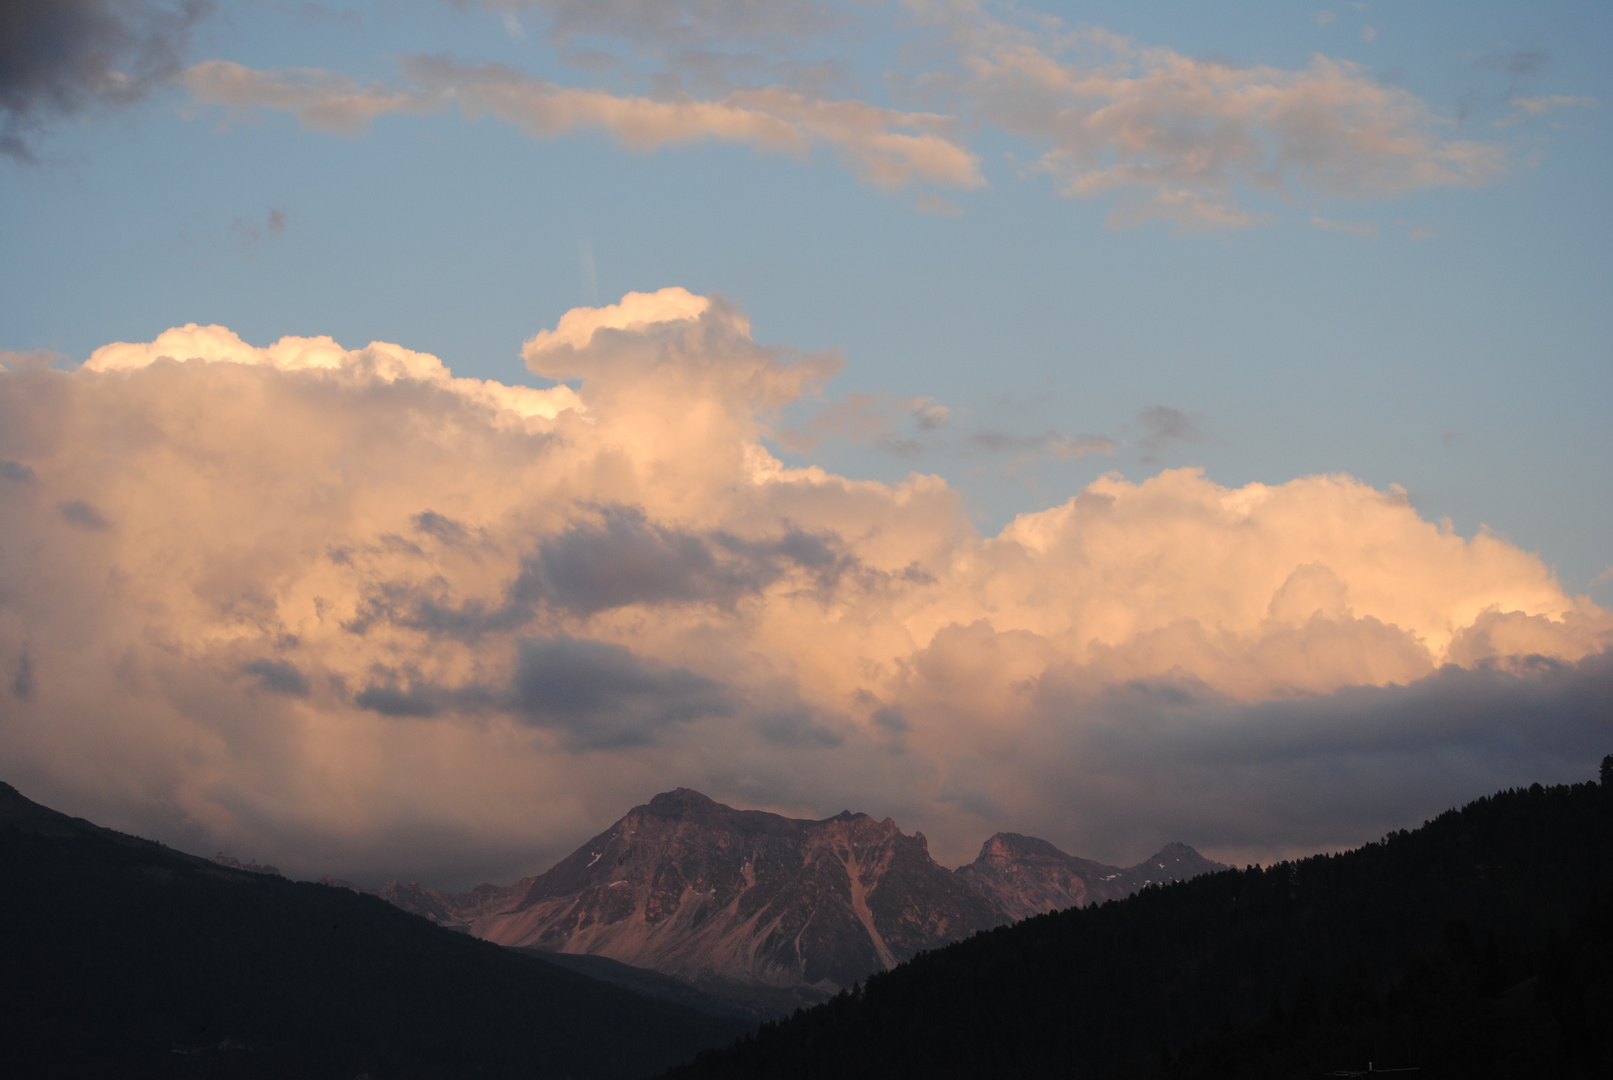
(682, 797)
(1017, 844)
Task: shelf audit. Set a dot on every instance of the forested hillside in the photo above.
(1477, 945)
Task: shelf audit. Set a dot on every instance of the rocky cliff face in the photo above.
(690, 887)
(1023, 876)
(695, 889)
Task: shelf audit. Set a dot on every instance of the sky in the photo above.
(428, 429)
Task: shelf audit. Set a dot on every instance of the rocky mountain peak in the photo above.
(1025, 876)
(697, 889)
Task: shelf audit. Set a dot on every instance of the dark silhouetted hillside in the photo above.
(121, 958)
(1477, 945)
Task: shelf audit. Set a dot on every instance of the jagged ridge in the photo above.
(690, 887)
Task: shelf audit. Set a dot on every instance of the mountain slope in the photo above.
(696, 889)
(1023, 876)
(124, 958)
(727, 898)
(1417, 950)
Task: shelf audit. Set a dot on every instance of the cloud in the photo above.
(600, 695)
(1518, 63)
(1324, 18)
(1187, 140)
(81, 515)
(1163, 425)
(660, 24)
(1537, 106)
(278, 677)
(357, 615)
(17, 473)
(886, 148)
(59, 58)
(878, 419)
(1195, 142)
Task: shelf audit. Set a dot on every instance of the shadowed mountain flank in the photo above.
(124, 958)
(1023, 876)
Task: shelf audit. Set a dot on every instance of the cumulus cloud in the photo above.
(349, 612)
(884, 147)
(59, 58)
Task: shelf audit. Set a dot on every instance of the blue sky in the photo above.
(1423, 305)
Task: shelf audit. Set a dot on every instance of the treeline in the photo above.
(121, 958)
(1477, 945)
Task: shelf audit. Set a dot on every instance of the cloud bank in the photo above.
(343, 610)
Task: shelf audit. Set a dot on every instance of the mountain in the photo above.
(120, 957)
(1480, 945)
(738, 902)
(1023, 876)
(695, 889)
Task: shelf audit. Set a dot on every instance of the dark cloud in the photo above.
(1163, 425)
(619, 559)
(1517, 62)
(17, 472)
(1169, 759)
(61, 57)
(278, 677)
(598, 695)
(389, 699)
(405, 694)
(796, 726)
(623, 558)
(891, 719)
(22, 682)
(82, 515)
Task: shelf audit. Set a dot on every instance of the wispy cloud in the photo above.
(1164, 425)
(1198, 143)
(889, 149)
(1182, 139)
(1537, 106)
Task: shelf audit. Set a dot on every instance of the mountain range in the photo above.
(740, 901)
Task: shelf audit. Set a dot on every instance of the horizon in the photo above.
(427, 427)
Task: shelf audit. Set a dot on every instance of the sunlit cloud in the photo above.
(884, 147)
(1200, 144)
(346, 611)
(1187, 140)
(1536, 106)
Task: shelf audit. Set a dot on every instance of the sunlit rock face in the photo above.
(1022, 876)
(690, 887)
(693, 888)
